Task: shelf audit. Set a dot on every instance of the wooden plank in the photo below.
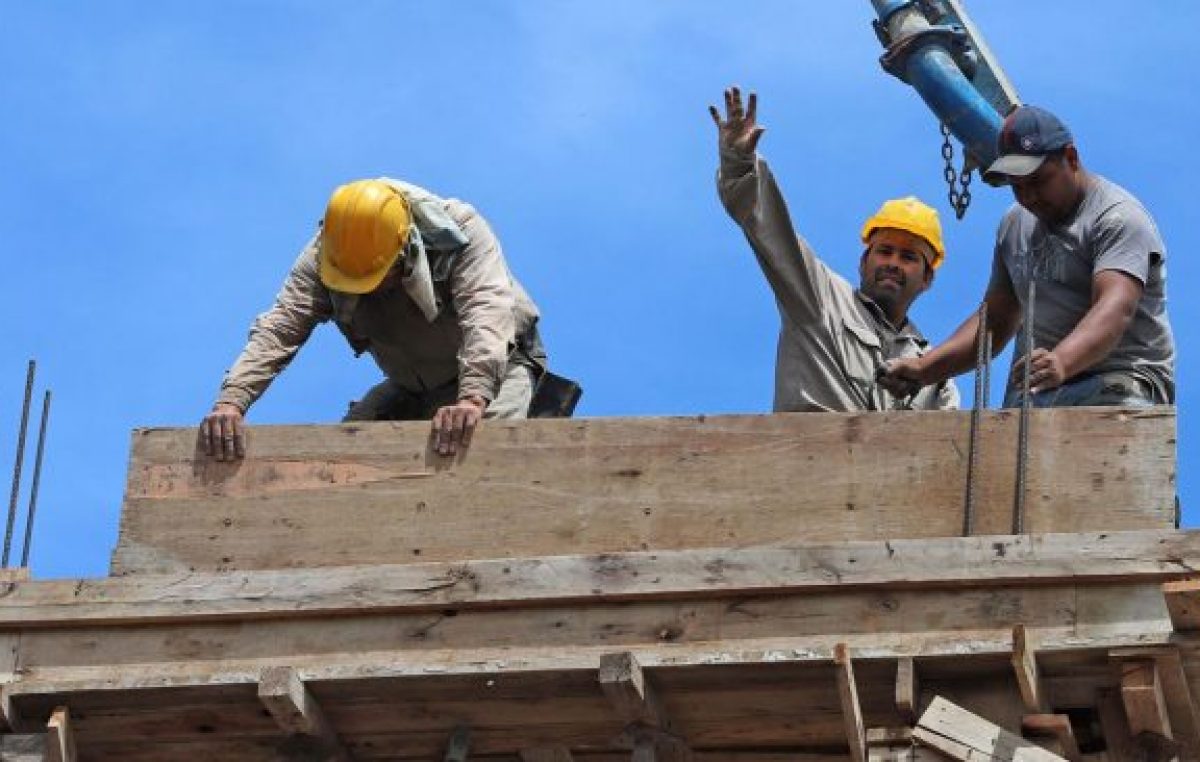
(23, 747)
(1056, 726)
(546, 754)
(294, 709)
(856, 734)
(891, 623)
(1183, 601)
(60, 740)
(1024, 661)
(962, 735)
(976, 562)
(1113, 724)
(907, 689)
(459, 745)
(626, 484)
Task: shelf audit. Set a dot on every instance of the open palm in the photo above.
(740, 130)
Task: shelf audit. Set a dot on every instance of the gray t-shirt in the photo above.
(1110, 231)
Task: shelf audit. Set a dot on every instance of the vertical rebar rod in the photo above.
(20, 458)
(37, 478)
(987, 369)
(981, 334)
(1018, 518)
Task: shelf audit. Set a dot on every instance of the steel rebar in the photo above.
(981, 361)
(20, 458)
(1018, 519)
(37, 478)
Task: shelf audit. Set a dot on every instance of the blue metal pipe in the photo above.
(935, 75)
(926, 63)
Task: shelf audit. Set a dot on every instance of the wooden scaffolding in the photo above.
(740, 588)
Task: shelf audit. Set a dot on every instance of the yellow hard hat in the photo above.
(365, 230)
(912, 215)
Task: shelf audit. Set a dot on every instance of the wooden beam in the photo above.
(589, 481)
(546, 754)
(23, 747)
(1174, 685)
(1145, 708)
(1056, 726)
(901, 736)
(975, 562)
(1024, 661)
(60, 741)
(459, 745)
(1114, 727)
(856, 735)
(294, 709)
(964, 736)
(1183, 601)
(14, 574)
(907, 689)
(638, 705)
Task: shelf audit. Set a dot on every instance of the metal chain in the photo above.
(959, 183)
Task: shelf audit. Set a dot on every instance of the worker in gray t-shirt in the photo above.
(1100, 330)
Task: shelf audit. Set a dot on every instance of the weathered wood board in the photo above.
(311, 496)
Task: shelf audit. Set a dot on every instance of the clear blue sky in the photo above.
(162, 163)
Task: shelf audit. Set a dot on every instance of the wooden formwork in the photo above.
(623, 636)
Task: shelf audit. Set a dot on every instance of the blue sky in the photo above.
(161, 163)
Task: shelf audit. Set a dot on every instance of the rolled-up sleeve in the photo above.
(484, 299)
(277, 334)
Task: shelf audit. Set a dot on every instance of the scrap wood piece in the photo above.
(1146, 708)
(638, 705)
(907, 689)
(459, 745)
(1183, 601)
(297, 712)
(1056, 726)
(856, 734)
(965, 736)
(1024, 661)
(60, 741)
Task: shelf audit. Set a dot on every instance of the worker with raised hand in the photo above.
(834, 338)
(1100, 329)
(421, 284)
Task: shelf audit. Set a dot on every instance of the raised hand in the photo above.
(740, 130)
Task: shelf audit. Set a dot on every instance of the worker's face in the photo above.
(1053, 192)
(895, 269)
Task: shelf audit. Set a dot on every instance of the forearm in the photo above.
(1094, 337)
(958, 354)
(752, 197)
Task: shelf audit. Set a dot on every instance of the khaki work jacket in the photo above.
(832, 337)
(481, 314)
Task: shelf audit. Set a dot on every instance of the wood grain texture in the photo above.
(375, 493)
(952, 563)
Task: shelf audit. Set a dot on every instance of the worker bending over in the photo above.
(420, 283)
(1100, 330)
(834, 338)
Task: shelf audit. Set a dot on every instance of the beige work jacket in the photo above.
(481, 311)
(832, 337)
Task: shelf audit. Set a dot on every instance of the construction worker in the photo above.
(1100, 330)
(420, 283)
(834, 338)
